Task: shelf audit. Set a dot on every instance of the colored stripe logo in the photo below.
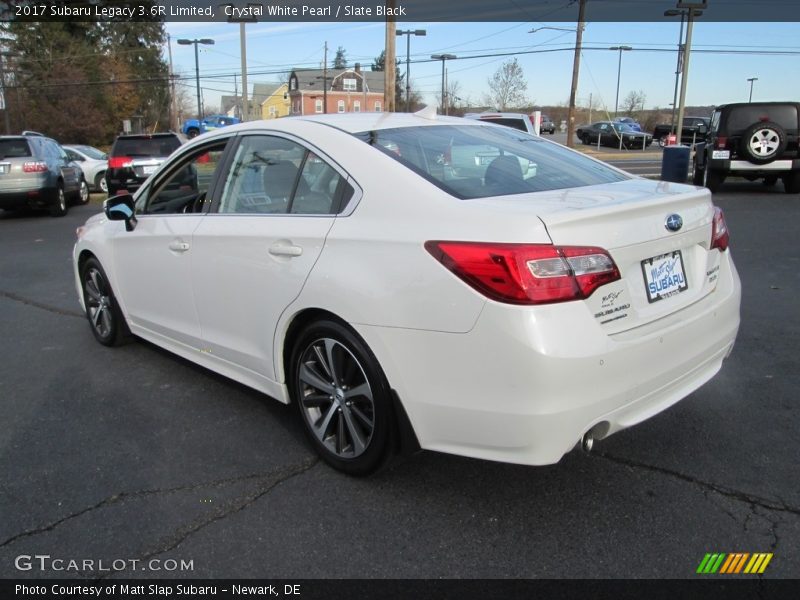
(734, 563)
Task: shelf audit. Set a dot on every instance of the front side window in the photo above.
(273, 175)
(482, 161)
(185, 186)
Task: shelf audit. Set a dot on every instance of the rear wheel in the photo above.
(763, 142)
(712, 179)
(585, 139)
(791, 182)
(105, 318)
(192, 133)
(342, 397)
(59, 208)
(698, 175)
(83, 192)
(100, 182)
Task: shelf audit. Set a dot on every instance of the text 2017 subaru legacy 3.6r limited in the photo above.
(408, 280)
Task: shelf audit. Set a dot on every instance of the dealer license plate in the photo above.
(664, 276)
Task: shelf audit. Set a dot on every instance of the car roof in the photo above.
(139, 136)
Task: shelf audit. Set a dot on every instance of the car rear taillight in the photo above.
(34, 166)
(721, 142)
(120, 162)
(527, 273)
(720, 238)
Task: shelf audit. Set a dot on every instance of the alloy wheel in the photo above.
(98, 302)
(764, 142)
(336, 398)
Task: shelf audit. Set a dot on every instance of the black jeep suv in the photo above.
(757, 140)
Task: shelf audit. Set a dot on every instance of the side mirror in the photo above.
(121, 208)
(702, 129)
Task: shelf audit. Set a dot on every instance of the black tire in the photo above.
(698, 175)
(791, 182)
(353, 434)
(102, 310)
(712, 179)
(762, 143)
(100, 182)
(192, 133)
(59, 207)
(585, 139)
(82, 196)
(662, 141)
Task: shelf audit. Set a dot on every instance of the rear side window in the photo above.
(14, 149)
(742, 117)
(146, 146)
(478, 162)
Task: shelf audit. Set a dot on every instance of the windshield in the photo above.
(624, 127)
(478, 162)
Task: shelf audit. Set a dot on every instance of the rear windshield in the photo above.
(742, 117)
(145, 146)
(478, 162)
(14, 148)
(516, 123)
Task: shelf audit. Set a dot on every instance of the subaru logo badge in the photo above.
(674, 223)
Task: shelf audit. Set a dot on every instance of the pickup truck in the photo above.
(194, 127)
(694, 130)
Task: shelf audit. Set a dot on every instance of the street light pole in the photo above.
(693, 12)
(619, 72)
(443, 58)
(195, 42)
(408, 33)
(751, 80)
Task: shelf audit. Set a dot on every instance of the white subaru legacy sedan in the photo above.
(413, 281)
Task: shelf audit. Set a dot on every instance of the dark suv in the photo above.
(35, 172)
(133, 158)
(757, 140)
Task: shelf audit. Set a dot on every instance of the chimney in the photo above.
(358, 67)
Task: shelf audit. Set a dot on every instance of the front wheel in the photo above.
(192, 133)
(342, 397)
(102, 310)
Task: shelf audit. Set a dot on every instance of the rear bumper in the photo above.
(523, 385)
(28, 197)
(733, 166)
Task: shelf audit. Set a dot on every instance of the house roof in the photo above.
(262, 91)
(311, 79)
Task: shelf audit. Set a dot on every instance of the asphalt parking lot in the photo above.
(133, 453)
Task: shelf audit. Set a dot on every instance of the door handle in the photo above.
(179, 246)
(285, 250)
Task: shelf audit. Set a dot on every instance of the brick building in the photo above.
(348, 90)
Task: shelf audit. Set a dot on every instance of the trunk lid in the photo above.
(629, 220)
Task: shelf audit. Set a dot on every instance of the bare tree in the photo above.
(633, 103)
(508, 86)
(452, 96)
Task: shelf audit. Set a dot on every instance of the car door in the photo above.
(70, 171)
(255, 249)
(153, 262)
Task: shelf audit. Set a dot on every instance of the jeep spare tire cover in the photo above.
(763, 142)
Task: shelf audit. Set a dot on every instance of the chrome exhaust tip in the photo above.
(587, 442)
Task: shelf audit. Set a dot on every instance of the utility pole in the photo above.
(576, 67)
(243, 45)
(750, 79)
(174, 125)
(685, 75)
(390, 66)
(325, 81)
(235, 95)
(3, 92)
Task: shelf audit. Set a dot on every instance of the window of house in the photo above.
(349, 85)
(340, 106)
(357, 106)
(293, 83)
(377, 106)
(318, 106)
